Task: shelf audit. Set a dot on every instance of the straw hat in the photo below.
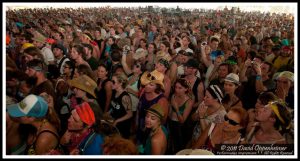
(286, 74)
(194, 152)
(156, 110)
(153, 77)
(163, 55)
(39, 37)
(84, 83)
(140, 53)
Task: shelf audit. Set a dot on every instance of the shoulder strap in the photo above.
(274, 59)
(236, 102)
(211, 128)
(61, 61)
(86, 143)
(49, 131)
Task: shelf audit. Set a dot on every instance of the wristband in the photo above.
(258, 77)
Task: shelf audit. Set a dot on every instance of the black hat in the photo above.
(59, 46)
(192, 63)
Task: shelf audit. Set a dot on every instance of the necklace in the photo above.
(42, 124)
(153, 132)
(225, 140)
(206, 113)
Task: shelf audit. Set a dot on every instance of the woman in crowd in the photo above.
(45, 136)
(209, 111)
(104, 88)
(156, 143)
(120, 106)
(226, 132)
(181, 105)
(230, 85)
(274, 121)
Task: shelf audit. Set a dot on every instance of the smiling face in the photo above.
(151, 121)
(74, 122)
(232, 121)
(101, 72)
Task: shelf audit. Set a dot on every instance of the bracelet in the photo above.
(258, 77)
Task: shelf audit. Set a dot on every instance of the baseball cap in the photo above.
(32, 105)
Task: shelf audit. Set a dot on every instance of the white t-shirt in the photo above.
(47, 54)
(187, 50)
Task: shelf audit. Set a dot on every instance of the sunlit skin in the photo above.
(160, 67)
(208, 99)
(229, 87)
(223, 71)
(235, 117)
(151, 121)
(30, 72)
(263, 114)
(150, 87)
(74, 54)
(179, 89)
(74, 122)
(79, 93)
(214, 45)
(101, 72)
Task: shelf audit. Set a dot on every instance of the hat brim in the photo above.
(14, 111)
(76, 84)
(237, 83)
(145, 81)
(154, 113)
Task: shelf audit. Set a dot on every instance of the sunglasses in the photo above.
(151, 77)
(232, 122)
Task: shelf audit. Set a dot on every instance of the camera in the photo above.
(126, 48)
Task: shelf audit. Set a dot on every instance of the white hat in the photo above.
(233, 78)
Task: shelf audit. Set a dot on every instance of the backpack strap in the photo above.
(61, 61)
(83, 145)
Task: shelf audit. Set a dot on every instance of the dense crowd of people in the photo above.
(124, 81)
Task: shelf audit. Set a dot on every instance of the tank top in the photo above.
(148, 145)
(117, 108)
(101, 94)
(143, 105)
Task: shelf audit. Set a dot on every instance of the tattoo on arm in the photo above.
(126, 101)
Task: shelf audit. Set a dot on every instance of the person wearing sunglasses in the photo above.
(121, 106)
(274, 125)
(226, 132)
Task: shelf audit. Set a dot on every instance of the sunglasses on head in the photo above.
(232, 122)
(151, 77)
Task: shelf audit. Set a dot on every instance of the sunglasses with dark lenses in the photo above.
(232, 122)
(151, 77)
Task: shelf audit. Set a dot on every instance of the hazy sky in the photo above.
(271, 7)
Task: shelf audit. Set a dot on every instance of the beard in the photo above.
(32, 80)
